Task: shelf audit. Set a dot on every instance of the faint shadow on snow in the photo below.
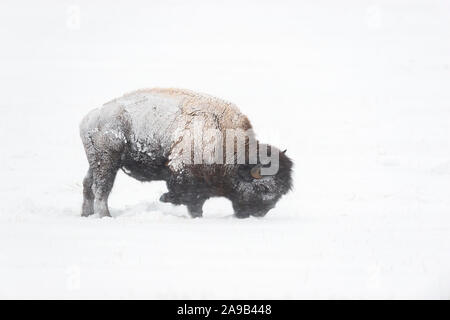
(441, 168)
(30, 210)
(159, 210)
(149, 208)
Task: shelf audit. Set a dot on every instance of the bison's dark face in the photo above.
(255, 194)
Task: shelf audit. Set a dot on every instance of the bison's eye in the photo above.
(256, 172)
(244, 172)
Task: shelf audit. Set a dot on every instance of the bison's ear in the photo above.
(256, 172)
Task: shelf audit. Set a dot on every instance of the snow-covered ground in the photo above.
(357, 91)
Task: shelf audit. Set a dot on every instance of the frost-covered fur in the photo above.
(143, 133)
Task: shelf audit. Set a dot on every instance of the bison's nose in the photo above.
(260, 214)
(241, 214)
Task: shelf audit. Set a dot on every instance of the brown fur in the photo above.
(215, 112)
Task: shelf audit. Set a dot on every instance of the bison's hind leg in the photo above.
(104, 176)
(104, 161)
(97, 186)
(88, 195)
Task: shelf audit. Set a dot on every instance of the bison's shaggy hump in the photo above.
(193, 108)
(193, 103)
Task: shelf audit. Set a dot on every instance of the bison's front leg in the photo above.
(193, 203)
(195, 208)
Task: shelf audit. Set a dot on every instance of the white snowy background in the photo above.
(356, 90)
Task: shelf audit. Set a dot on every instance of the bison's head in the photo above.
(255, 193)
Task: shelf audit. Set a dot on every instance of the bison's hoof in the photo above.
(105, 215)
(196, 214)
(169, 197)
(165, 197)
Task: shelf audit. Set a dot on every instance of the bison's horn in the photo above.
(256, 172)
(284, 151)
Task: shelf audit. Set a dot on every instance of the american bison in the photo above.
(200, 145)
